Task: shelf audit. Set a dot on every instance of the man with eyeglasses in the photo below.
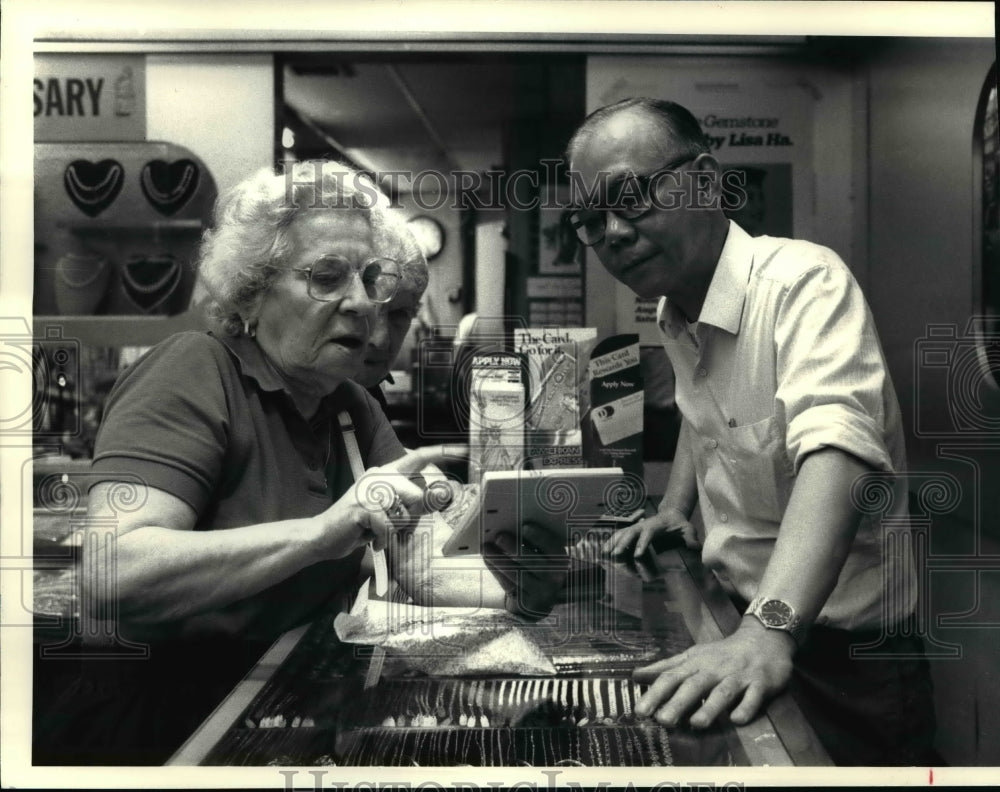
(787, 405)
(386, 340)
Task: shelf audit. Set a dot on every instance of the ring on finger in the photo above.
(395, 508)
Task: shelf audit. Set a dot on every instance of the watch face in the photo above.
(429, 234)
(775, 613)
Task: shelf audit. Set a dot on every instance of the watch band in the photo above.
(776, 614)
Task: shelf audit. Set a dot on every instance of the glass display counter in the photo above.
(306, 702)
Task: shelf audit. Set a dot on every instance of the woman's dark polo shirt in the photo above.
(208, 420)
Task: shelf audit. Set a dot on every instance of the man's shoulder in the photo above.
(785, 260)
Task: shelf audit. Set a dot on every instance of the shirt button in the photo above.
(713, 443)
(702, 372)
(724, 517)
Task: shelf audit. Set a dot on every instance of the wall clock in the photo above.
(429, 234)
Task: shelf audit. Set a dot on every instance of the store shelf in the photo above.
(150, 228)
(116, 331)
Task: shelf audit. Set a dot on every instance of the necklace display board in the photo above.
(117, 228)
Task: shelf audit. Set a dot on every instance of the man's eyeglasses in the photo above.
(329, 275)
(630, 201)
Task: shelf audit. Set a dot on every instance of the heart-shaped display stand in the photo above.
(122, 203)
(169, 185)
(152, 283)
(81, 283)
(93, 186)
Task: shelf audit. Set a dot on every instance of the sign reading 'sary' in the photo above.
(89, 97)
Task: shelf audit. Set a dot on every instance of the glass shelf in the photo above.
(149, 227)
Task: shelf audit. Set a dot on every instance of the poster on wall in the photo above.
(557, 300)
(766, 204)
(759, 125)
(637, 312)
(559, 250)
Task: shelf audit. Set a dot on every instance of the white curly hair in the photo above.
(242, 254)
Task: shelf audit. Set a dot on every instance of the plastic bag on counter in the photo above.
(440, 641)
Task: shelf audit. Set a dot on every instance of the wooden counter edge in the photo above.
(212, 729)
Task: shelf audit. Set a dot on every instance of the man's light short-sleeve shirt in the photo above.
(784, 360)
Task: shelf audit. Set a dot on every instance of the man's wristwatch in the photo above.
(776, 614)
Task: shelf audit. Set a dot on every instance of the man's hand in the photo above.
(739, 673)
(636, 538)
(532, 571)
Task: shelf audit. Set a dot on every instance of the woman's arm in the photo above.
(153, 567)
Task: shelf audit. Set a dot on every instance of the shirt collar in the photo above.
(723, 306)
(253, 363)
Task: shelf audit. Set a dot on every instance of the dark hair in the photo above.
(677, 120)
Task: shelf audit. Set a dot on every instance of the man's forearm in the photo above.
(816, 532)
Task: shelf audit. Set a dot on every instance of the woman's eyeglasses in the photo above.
(631, 200)
(328, 277)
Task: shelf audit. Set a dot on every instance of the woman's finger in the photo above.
(401, 521)
(415, 461)
(410, 491)
(378, 490)
(377, 530)
(439, 495)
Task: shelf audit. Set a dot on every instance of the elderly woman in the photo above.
(226, 509)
